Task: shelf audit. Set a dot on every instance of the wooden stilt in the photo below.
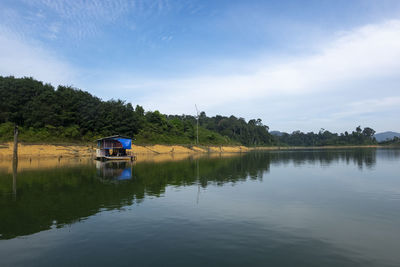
(15, 152)
(14, 184)
(15, 161)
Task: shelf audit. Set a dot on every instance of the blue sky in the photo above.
(297, 65)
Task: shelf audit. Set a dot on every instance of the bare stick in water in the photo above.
(15, 153)
(15, 161)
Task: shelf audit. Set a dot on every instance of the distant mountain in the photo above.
(277, 133)
(386, 136)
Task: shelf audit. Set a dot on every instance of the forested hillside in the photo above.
(386, 136)
(45, 114)
(325, 138)
(392, 142)
(65, 114)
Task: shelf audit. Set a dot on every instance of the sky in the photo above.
(297, 65)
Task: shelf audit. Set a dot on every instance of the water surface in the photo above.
(299, 208)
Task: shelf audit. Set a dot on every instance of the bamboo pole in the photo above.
(15, 152)
(15, 161)
(14, 184)
(197, 111)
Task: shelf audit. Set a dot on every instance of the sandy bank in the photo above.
(68, 151)
(31, 151)
(45, 151)
(50, 156)
(165, 149)
(40, 163)
(26, 164)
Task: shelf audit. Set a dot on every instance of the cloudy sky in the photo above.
(295, 64)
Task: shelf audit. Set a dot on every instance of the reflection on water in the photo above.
(15, 171)
(114, 170)
(361, 158)
(253, 208)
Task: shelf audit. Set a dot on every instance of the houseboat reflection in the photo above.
(114, 170)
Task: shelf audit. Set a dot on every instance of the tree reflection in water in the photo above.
(59, 196)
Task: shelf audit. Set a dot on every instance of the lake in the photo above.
(290, 208)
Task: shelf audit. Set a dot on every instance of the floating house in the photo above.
(114, 148)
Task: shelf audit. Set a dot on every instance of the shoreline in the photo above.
(78, 151)
(29, 151)
(274, 148)
(40, 163)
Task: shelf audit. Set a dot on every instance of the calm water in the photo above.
(302, 208)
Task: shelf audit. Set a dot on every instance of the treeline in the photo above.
(392, 142)
(66, 114)
(325, 138)
(45, 114)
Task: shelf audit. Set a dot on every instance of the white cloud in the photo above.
(85, 18)
(20, 58)
(297, 86)
(369, 106)
(356, 56)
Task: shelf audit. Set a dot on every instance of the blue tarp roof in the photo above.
(113, 137)
(126, 143)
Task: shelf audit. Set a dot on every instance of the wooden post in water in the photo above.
(15, 153)
(198, 181)
(14, 185)
(15, 161)
(197, 111)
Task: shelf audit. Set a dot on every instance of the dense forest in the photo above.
(393, 142)
(46, 114)
(323, 137)
(66, 114)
